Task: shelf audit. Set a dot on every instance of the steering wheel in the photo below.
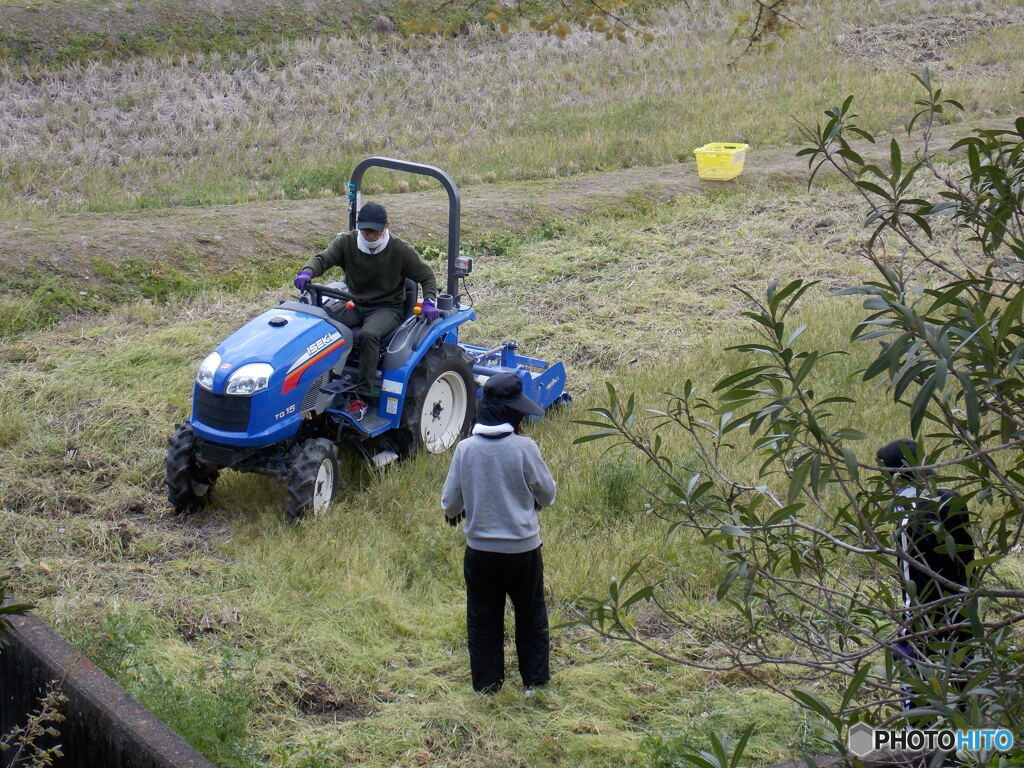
(316, 292)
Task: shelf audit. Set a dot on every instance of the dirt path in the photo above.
(223, 236)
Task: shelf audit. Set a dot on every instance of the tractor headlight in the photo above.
(206, 370)
(250, 379)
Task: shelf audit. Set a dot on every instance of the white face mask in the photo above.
(376, 246)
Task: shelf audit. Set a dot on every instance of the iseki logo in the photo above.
(320, 343)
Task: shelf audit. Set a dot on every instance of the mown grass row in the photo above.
(220, 128)
(342, 640)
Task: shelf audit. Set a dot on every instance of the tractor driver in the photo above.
(376, 265)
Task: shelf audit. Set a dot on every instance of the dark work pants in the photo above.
(490, 576)
(377, 322)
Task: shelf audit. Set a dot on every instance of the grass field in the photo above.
(291, 119)
(341, 641)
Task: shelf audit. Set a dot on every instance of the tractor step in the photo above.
(339, 386)
(370, 423)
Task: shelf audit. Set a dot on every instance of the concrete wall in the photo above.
(105, 727)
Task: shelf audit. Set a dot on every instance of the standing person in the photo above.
(497, 481)
(376, 266)
(934, 532)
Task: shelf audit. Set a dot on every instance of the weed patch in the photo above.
(210, 711)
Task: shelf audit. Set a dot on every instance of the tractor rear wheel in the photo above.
(188, 481)
(441, 403)
(312, 478)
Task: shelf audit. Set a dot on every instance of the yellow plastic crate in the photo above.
(720, 160)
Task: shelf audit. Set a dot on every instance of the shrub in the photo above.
(819, 585)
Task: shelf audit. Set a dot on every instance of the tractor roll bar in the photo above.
(454, 203)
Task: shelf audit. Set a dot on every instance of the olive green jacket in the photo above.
(376, 280)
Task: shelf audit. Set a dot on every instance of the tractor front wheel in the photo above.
(188, 481)
(312, 478)
(441, 403)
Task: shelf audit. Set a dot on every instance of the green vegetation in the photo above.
(823, 593)
(210, 707)
(42, 300)
(356, 617)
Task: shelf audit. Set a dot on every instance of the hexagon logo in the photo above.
(861, 739)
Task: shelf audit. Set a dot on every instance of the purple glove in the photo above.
(429, 311)
(904, 651)
(302, 279)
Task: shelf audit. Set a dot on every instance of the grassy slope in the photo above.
(360, 612)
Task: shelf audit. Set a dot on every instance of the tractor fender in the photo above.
(404, 342)
(415, 336)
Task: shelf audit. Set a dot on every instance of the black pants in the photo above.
(377, 322)
(490, 576)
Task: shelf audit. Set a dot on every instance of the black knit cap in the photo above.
(898, 454)
(372, 216)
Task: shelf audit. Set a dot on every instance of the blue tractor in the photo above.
(270, 399)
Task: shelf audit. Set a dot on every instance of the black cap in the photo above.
(372, 216)
(898, 454)
(507, 389)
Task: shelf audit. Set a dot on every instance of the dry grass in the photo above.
(206, 129)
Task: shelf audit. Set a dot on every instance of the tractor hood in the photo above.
(290, 341)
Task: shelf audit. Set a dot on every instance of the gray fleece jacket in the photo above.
(501, 481)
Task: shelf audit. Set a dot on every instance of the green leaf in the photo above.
(796, 483)
(815, 704)
(16, 609)
(734, 395)
(728, 381)
(919, 407)
(1011, 317)
(600, 424)
(734, 530)
(925, 79)
(876, 303)
(829, 400)
(723, 587)
(741, 745)
(644, 593)
(701, 760)
(907, 376)
(851, 464)
(852, 156)
(895, 159)
(980, 563)
(870, 186)
(594, 436)
(853, 687)
(971, 405)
